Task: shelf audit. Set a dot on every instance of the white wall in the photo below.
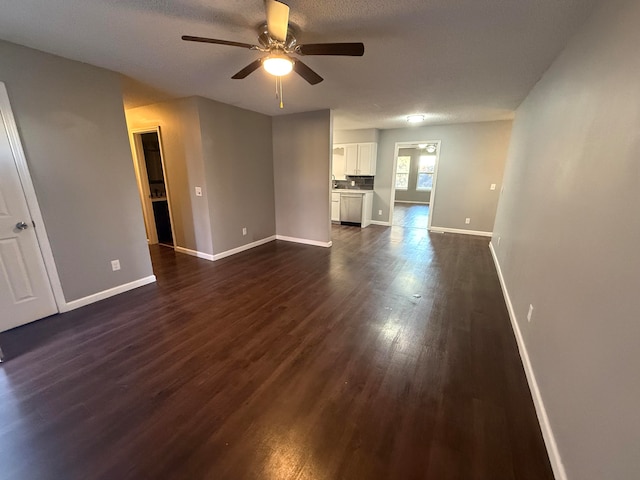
(472, 157)
(71, 122)
(574, 255)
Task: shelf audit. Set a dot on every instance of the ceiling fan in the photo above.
(277, 39)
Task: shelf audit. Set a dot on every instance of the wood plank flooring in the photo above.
(411, 215)
(388, 356)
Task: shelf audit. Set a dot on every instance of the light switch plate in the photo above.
(493, 186)
(198, 191)
(115, 265)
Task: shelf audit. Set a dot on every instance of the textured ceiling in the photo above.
(455, 61)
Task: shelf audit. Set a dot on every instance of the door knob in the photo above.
(21, 226)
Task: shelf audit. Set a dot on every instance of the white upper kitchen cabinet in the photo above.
(351, 159)
(367, 153)
(339, 166)
(355, 158)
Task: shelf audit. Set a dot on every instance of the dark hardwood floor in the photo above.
(410, 215)
(388, 356)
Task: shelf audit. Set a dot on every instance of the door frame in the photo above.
(143, 181)
(432, 200)
(32, 200)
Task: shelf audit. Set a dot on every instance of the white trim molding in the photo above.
(547, 433)
(384, 224)
(411, 201)
(96, 297)
(248, 246)
(461, 231)
(305, 241)
(227, 253)
(194, 253)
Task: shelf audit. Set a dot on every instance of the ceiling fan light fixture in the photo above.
(417, 118)
(278, 65)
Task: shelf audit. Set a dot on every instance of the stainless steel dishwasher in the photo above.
(350, 209)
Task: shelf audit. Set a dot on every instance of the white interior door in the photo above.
(25, 290)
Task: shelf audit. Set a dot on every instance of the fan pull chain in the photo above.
(279, 91)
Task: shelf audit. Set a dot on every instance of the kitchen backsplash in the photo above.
(360, 183)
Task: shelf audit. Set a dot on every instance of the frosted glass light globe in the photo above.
(278, 65)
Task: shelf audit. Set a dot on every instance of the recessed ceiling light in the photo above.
(415, 118)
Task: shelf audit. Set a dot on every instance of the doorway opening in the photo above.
(153, 187)
(413, 185)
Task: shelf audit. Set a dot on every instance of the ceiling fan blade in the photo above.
(189, 38)
(305, 72)
(347, 49)
(249, 69)
(277, 19)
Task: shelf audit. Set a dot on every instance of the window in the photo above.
(426, 169)
(402, 172)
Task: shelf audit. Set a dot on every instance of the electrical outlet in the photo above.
(198, 191)
(467, 220)
(379, 212)
(492, 187)
(244, 230)
(115, 265)
(529, 313)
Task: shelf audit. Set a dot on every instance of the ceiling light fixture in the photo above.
(278, 65)
(415, 118)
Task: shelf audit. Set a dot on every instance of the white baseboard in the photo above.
(547, 433)
(304, 241)
(461, 231)
(384, 224)
(242, 248)
(227, 253)
(194, 253)
(96, 297)
(409, 201)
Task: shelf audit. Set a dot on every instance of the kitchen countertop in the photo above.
(346, 190)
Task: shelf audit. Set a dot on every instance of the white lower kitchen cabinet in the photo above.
(335, 207)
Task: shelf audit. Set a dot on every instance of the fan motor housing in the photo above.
(267, 42)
